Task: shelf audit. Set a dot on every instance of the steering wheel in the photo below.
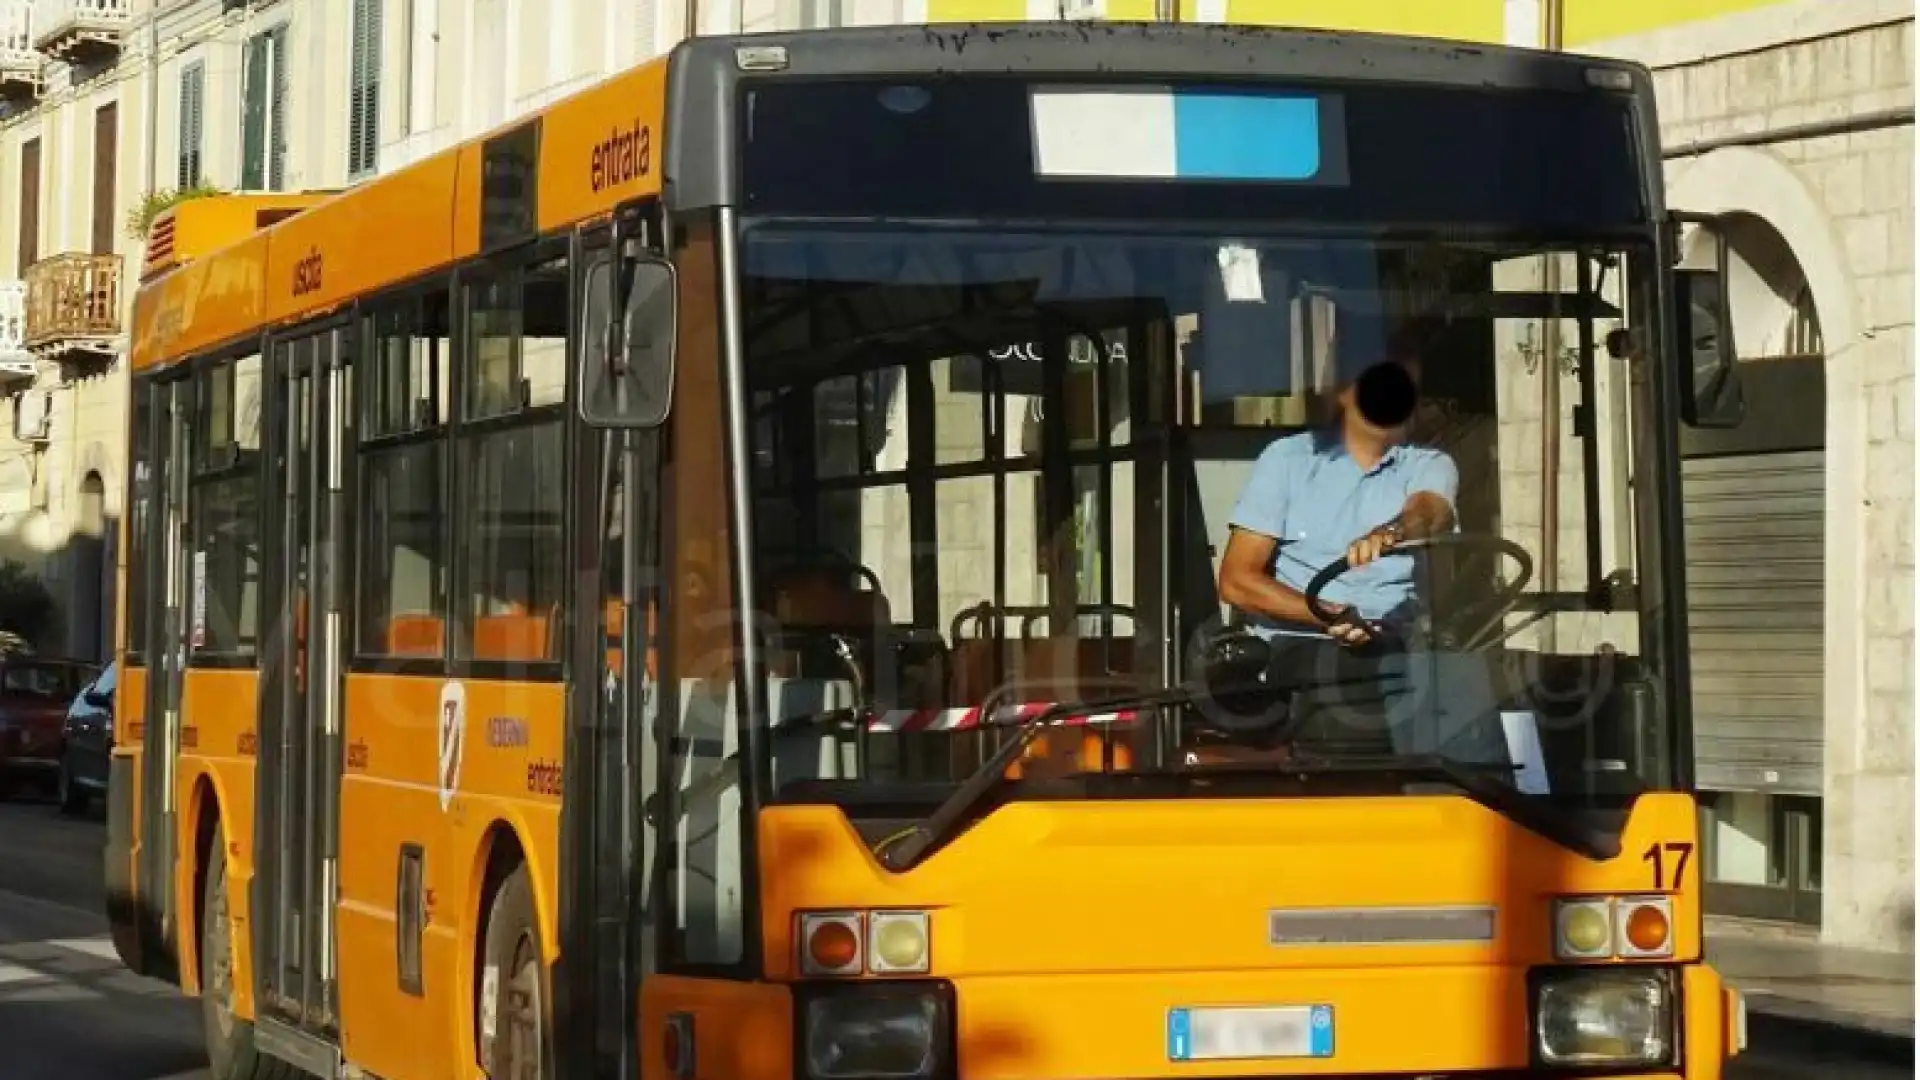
(1483, 612)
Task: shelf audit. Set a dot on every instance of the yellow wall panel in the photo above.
(1461, 20)
(1466, 20)
(949, 11)
(1599, 20)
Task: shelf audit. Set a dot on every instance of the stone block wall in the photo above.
(1737, 96)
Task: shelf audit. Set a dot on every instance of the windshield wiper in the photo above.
(1479, 783)
(1476, 783)
(954, 809)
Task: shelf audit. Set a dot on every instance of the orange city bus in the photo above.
(717, 579)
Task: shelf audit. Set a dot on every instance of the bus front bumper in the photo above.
(1446, 1022)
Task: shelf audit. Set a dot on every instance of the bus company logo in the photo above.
(247, 744)
(505, 732)
(623, 156)
(306, 273)
(453, 727)
(358, 755)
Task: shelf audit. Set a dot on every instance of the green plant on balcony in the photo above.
(141, 217)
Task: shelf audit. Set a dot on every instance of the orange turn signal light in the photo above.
(1647, 929)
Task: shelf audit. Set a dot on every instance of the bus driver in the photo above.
(1355, 487)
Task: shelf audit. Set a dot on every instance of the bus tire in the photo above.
(231, 1054)
(514, 1000)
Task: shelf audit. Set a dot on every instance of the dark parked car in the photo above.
(88, 743)
(34, 695)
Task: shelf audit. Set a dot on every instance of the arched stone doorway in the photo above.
(1760, 503)
(87, 637)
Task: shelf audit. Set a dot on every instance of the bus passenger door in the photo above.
(167, 650)
(611, 765)
(300, 707)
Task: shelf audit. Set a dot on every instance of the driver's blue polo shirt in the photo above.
(1307, 493)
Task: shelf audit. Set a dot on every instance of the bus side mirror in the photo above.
(626, 365)
(1710, 391)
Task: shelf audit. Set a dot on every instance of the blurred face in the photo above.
(1381, 401)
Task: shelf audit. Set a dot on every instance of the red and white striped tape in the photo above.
(905, 721)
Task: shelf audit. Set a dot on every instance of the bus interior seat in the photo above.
(1040, 669)
(818, 598)
(416, 634)
(812, 602)
(807, 679)
(614, 625)
(1043, 669)
(519, 637)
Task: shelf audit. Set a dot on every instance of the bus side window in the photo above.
(404, 409)
(511, 450)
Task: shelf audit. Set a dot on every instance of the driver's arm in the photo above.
(1426, 514)
(1246, 582)
(1428, 511)
(1258, 520)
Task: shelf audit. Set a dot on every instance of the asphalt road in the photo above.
(68, 1011)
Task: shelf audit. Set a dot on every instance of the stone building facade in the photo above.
(1795, 122)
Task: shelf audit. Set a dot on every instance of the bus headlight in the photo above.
(875, 1031)
(1604, 1017)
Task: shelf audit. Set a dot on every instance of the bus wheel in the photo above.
(230, 1050)
(514, 1009)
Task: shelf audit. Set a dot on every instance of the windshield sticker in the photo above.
(1240, 274)
(1523, 742)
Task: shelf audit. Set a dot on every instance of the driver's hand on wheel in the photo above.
(1369, 547)
(1348, 628)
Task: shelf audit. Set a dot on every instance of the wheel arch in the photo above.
(504, 847)
(200, 827)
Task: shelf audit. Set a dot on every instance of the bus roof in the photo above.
(587, 160)
(707, 72)
(613, 143)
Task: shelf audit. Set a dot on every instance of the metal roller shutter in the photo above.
(1755, 526)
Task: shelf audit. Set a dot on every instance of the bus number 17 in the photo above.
(1657, 854)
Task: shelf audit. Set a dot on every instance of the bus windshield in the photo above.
(994, 470)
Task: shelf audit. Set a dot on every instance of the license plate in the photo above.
(1238, 1033)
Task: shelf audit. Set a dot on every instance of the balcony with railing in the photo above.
(73, 307)
(16, 363)
(20, 63)
(80, 31)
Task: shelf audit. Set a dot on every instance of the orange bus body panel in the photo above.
(1127, 909)
(200, 306)
(349, 247)
(215, 771)
(391, 795)
(605, 150)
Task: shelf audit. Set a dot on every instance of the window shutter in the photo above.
(29, 251)
(106, 175)
(363, 117)
(277, 112)
(193, 88)
(253, 116)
